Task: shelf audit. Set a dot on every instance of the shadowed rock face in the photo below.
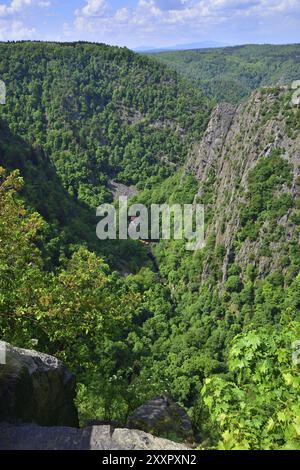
(162, 417)
(33, 437)
(235, 141)
(35, 387)
(204, 156)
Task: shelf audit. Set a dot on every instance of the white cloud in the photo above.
(18, 6)
(282, 6)
(122, 15)
(13, 30)
(93, 8)
(156, 13)
(160, 21)
(148, 14)
(15, 7)
(12, 26)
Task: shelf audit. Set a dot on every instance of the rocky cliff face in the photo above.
(36, 389)
(235, 143)
(204, 156)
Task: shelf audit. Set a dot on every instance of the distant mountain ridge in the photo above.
(96, 110)
(231, 74)
(180, 47)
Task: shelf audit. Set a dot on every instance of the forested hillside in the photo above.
(230, 74)
(237, 300)
(99, 112)
(76, 116)
(214, 328)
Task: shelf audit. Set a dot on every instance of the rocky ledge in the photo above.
(37, 410)
(34, 437)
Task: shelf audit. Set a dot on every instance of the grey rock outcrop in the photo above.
(33, 437)
(162, 417)
(233, 143)
(37, 410)
(203, 157)
(119, 189)
(35, 387)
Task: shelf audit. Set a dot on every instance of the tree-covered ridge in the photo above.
(213, 328)
(99, 112)
(230, 74)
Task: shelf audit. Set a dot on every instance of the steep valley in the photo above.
(214, 328)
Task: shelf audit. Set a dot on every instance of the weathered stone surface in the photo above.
(204, 156)
(119, 189)
(33, 437)
(162, 417)
(233, 143)
(35, 387)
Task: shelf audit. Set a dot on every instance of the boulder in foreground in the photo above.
(36, 387)
(33, 437)
(164, 418)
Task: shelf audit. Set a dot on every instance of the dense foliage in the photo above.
(231, 74)
(99, 112)
(81, 312)
(78, 115)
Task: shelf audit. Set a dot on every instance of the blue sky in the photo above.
(154, 23)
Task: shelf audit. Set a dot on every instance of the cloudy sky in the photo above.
(153, 23)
